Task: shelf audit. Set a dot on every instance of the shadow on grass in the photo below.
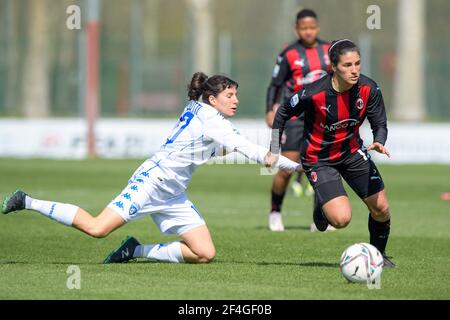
(302, 264)
(79, 263)
(307, 228)
(66, 263)
(313, 264)
(286, 228)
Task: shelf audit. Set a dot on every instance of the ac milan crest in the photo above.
(360, 104)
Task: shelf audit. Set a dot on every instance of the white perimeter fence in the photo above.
(134, 138)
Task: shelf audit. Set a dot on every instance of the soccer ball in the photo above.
(361, 263)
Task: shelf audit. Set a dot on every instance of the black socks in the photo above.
(379, 233)
(277, 201)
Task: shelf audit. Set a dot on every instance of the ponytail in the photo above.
(197, 85)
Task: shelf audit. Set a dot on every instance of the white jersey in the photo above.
(197, 136)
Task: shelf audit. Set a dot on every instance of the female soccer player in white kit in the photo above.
(157, 187)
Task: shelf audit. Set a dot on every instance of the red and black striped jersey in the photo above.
(297, 66)
(332, 119)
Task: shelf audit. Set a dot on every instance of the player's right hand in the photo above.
(270, 159)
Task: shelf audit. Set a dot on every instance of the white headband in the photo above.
(342, 40)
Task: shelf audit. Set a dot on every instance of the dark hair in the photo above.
(203, 86)
(305, 13)
(340, 47)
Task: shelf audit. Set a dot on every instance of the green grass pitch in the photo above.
(251, 262)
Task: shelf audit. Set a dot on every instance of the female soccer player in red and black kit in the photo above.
(335, 107)
(302, 62)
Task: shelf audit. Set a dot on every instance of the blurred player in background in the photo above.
(157, 187)
(302, 62)
(335, 107)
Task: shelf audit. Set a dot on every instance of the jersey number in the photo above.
(184, 121)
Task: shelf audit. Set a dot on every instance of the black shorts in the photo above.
(358, 170)
(292, 135)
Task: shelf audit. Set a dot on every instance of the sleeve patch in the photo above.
(294, 101)
(276, 71)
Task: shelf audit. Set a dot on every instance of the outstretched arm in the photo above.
(223, 133)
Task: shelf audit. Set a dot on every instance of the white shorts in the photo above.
(145, 195)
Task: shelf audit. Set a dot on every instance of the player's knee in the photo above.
(98, 232)
(284, 174)
(381, 212)
(340, 224)
(341, 221)
(206, 256)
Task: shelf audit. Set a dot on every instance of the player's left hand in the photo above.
(270, 159)
(378, 147)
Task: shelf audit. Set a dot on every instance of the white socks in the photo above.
(60, 212)
(166, 252)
